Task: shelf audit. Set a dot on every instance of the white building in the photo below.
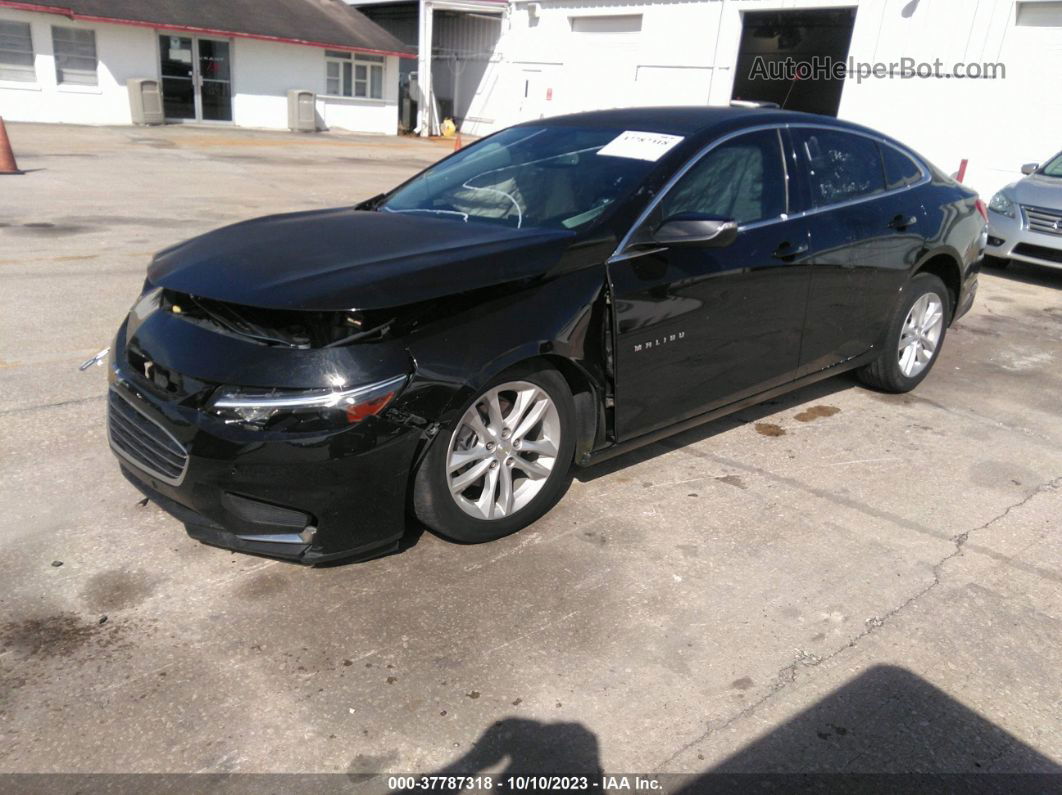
(216, 61)
(547, 57)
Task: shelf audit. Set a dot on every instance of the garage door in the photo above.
(773, 37)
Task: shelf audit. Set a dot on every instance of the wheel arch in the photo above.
(565, 327)
(586, 391)
(946, 266)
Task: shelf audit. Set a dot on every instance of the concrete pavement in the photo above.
(839, 580)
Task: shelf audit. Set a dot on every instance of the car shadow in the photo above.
(753, 414)
(886, 730)
(1028, 273)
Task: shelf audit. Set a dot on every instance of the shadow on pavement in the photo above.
(1028, 273)
(887, 730)
(753, 414)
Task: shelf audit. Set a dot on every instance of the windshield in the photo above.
(1053, 168)
(535, 177)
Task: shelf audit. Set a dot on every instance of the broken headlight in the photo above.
(302, 410)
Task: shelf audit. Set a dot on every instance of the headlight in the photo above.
(303, 410)
(1002, 204)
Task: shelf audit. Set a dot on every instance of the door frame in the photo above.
(197, 79)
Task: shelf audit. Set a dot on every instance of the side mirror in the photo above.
(1029, 168)
(704, 232)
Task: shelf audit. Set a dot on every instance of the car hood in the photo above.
(1038, 191)
(349, 259)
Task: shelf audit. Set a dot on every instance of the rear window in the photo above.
(900, 170)
(841, 166)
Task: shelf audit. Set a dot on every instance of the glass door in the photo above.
(215, 83)
(196, 78)
(178, 77)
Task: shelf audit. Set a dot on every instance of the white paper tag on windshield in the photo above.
(640, 145)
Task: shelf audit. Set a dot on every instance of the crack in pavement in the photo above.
(788, 673)
(60, 404)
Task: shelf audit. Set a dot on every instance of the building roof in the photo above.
(320, 23)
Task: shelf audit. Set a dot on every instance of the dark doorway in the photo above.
(816, 39)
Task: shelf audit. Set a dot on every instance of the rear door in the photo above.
(697, 328)
(865, 236)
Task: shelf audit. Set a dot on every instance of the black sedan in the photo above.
(553, 295)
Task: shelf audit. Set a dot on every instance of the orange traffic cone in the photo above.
(7, 157)
(457, 142)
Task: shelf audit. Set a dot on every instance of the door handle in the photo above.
(901, 222)
(788, 251)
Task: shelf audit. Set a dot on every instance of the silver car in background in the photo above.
(1025, 218)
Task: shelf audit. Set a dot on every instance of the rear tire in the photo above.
(505, 463)
(915, 337)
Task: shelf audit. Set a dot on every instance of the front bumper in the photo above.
(1011, 238)
(308, 498)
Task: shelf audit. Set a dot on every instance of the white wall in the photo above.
(685, 53)
(264, 71)
(122, 52)
(262, 74)
(996, 124)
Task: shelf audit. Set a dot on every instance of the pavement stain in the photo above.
(597, 539)
(769, 429)
(733, 480)
(117, 590)
(263, 585)
(744, 683)
(47, 229)
(817, 412)
(59, 635)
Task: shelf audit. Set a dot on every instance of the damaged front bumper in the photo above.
(308, 497)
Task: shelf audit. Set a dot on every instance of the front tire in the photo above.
(505, 463)
(914, 339)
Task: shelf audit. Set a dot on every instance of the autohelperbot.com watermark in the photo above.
(826, 68)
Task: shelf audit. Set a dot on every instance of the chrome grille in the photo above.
(1040, 219)
(143, 442)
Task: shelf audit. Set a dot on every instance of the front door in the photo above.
(700, 327)
(196, 78)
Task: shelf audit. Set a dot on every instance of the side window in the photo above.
(16, 52)
(841, 166)
(75, 56)
(742, 179)
(900, 170)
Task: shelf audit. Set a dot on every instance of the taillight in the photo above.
(981, 208)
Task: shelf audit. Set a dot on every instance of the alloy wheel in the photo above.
(920, 335)
(503, 450)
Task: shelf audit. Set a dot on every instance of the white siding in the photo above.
(262, 73)
(122, 53)
(686, 52)
(265, 71)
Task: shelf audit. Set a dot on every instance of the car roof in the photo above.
(690, 120)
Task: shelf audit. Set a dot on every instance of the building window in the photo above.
(624, 23)
(348, 75)
(16, 52)
(75, 56)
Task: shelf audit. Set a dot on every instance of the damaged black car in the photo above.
(555, 294)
